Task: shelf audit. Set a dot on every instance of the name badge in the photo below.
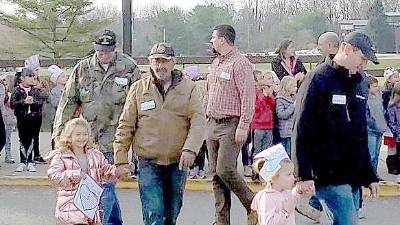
(361, 97)
(144, 106)
(121, 81)
(225, 75)
(339, 99)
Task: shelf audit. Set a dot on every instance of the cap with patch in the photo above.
(162, 50)
(363, 42)
(106, 41)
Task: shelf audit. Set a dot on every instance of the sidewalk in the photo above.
(10, 178)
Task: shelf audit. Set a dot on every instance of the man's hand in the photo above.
(241, 136)
(306, 187)
(374, 188)
(187, 159)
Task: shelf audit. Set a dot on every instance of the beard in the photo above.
(214, 51)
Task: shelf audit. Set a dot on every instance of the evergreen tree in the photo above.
(57, 28)
(379, 29)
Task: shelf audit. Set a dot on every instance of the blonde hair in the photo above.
(395, 98)
(65, 142)
(286, 164)
(259, 76)
(284, 87)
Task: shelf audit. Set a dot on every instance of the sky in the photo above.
(184, 4)
(137, 4)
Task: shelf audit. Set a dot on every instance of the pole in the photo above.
(127, 27)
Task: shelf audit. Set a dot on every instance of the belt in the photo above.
(224, 120)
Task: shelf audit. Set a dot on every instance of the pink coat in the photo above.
(268, 205)
(64, 171)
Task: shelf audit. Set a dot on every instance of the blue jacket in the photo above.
(331, 140)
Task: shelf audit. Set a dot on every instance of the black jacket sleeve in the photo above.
(307, 130)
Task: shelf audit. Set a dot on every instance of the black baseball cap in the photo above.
(106, 41)
(363, 42)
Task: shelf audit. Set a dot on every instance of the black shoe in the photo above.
(39, 160)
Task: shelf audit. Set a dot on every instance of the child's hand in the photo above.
(289, 204)
(122, 170)
(83, 175)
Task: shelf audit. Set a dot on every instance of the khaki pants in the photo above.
(223, 153)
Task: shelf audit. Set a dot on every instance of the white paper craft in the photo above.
(87, 197)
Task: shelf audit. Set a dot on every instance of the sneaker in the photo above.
(31, 167)
(201, 174)
(309, 212)
(192, 174)
(361, 214)
(9, 160)
(21, 167)
(252, 218)
(248, 171)
(39, 160)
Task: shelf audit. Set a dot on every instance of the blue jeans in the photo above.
(374, 147)
(342, 201)
(161, 192)
(286, 142)
(109, 201)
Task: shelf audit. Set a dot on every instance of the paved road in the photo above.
(35, 206)
(8, 169)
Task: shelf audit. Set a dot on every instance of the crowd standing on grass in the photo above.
(295, 126)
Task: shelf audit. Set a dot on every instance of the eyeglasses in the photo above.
(160, 60)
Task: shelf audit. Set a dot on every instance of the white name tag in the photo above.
(361, 97)
(225, 75)
(144, 106)
(121, 81)
(339, 99)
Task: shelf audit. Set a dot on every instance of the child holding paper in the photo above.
(75, 158)
(276, 203)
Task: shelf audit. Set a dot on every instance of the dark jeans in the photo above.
(36, 130)
(201, 157)
(109, 201)
(342, 201)
(26, 136)
(223, 153)
(286, 142)
(161, 192)
(245, 151)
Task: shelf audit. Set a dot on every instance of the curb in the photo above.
(386, 189)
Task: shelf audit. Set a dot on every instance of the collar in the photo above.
(97, 65)
(344, 74)
(222, 58)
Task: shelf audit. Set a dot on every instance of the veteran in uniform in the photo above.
(96, 90)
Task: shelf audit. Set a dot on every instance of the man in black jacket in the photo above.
(331, 140)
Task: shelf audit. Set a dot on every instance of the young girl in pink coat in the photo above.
(75, 158)
(276, 203)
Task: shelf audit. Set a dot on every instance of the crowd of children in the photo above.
(23, 101)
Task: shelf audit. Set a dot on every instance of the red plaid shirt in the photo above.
(231, 88)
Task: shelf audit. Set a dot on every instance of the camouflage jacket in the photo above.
(98, 96)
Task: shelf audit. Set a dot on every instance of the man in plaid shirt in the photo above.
(229, 109)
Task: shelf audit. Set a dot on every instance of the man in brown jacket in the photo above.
(163, 118)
